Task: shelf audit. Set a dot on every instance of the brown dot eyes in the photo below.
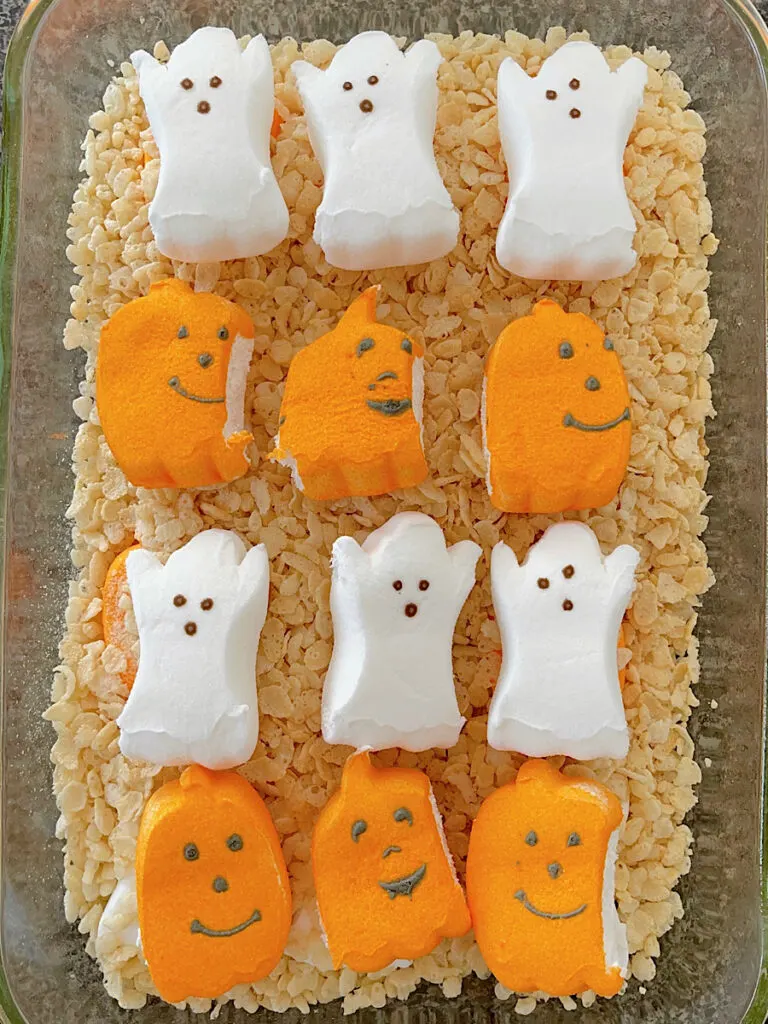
(574, 83)
(347, 86)
(179, 600)
(568, 571)
(187, 83)
(423, 584)
(398, 584)
(542, 582)
(574, 112)
(551, 94)
(373, 79)
(567, 605)
(190, 629)
(203, 107)
(215, 82)
(366, 106)
(206, 604)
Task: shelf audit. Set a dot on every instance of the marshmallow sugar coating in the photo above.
(351, 414)
(559, 613)
(540, 884)
(556, 414)
(199, 618)
(394, 603)
(210, 109)
(563, 134)
(171, 375)
(371, 117)
(385, 882)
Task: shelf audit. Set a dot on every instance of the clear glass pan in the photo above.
(712, 969)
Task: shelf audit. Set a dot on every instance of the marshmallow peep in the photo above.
(560, 613)
(386, 886)
(210, 109)
(213, 894)
(199, 618)
(350, 418)
(556, 417)
(563, 134)
(170, 387)
(371, 117)
(540, 884)
(394, 603)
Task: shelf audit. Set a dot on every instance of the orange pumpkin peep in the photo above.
(540, 884)
(170, 387)
(386, 887)
(113, 616)
(350, 420)
(213, 894)
(555, 414)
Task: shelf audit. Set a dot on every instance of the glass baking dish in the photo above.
(712, 967)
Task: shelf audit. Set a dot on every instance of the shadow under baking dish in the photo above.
(57, 70)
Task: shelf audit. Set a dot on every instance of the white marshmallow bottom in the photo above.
(512, 734)
(365, 732)
(523, 248)
(228, 744)
(361, 240)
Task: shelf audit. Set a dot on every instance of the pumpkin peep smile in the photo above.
(390, 406)
(175, 384)
(571, 421)
(213, 933)
(520, 895)
(404, 886)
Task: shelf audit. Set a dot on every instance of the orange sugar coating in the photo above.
(557, 409)
(113, 616)
(170, 387)
(535, 868)
(351, 410)
(385, 887)
(213, 894)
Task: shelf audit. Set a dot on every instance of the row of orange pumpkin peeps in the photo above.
(171, 382)
(214, 899)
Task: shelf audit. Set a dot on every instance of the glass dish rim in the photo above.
(744, 11)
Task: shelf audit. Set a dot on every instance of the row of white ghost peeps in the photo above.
(371, 117)
(395, 602)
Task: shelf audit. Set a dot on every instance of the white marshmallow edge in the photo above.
(559, 613)
(199, 617)
(563, 133)
(371, 117)
(395, 601)
(210, 109)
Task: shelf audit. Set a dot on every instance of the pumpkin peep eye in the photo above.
(566, 350)
(191, 852)
(608, 344)
(531, 839)
(235, 842)
(358, 828)
(223, 333)
(365, 346)
(406, 346)
(574, 839)
(403, 814)
(182, 332)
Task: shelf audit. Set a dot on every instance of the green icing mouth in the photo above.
(520, 895)
(199, 929)
(404, 886)
(175, 384)
(390, 406)
(571, 421)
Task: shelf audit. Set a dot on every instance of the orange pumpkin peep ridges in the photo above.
(538, 859)
(386, 887)
(170, 387)
(350, 419)
(212, 887)
(556, 414)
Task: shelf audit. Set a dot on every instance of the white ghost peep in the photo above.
(563, 134)
(394, 602)
(199, 618)
(559, 613)
(210, 109)
(371, 117)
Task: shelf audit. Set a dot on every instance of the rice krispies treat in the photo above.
(658, 316)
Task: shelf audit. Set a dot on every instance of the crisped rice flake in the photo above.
(659, 319)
